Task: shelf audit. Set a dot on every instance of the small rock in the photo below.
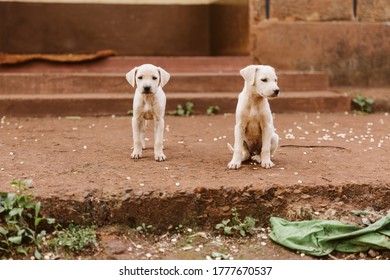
(372, 253)
(200, 234)
(117, 247)
(366, 221)
(187, 248)
(148, 255)
(362, 255)
(126, 197)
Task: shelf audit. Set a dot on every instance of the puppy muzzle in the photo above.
(147, 90)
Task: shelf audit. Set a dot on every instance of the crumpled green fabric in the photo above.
(321, 237)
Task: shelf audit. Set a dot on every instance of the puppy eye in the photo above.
(140, 78)
(264, 80)
(154, 78)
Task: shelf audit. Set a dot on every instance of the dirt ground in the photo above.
(327, 165)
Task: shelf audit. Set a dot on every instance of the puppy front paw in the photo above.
(234, 164)
(267, 164)
(136, 155)
(160, 157)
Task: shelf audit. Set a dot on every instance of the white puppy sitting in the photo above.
(254, 133)
(149, 104)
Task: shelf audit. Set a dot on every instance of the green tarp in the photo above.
(321, 237)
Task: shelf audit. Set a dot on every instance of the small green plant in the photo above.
(20, 220)
(74, 238)
(143, 228)
(212, 110)
(363, 103)
(187, 110)
(179, 229)
(237, 226)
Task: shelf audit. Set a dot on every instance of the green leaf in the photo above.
(228, 230)
(226, 222)
(10, 200)
(37, 221)
(16, 211)
(242, 232)
(37, 208)
(218, 226)
(15, 239)
(370, 100)
(3, 231)
(37, 255)
(21, 250)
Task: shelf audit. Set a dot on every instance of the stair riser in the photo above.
(116, 83)
(34, 107)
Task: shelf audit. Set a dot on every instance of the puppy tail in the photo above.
(230, 148)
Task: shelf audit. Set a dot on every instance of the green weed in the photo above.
(236, 226)
(20, 220)
(187, 110)
(363, 103)
(74, 238)
(144, 229)
(212, 110)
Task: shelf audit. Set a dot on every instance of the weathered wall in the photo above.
(325, 36)
(229, 27)
(211, 27)
(127, 29)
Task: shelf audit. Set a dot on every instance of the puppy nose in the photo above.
(276, 91)
(147, 89)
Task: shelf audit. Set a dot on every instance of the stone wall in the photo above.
(351, 43)
(182, 28)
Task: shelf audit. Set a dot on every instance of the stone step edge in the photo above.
(121, 104)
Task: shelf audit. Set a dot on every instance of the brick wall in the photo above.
(348, 39)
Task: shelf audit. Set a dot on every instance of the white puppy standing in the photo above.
(148, 104)
(254, 133)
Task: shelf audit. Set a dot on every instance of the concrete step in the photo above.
(33, 105)
(70, 83)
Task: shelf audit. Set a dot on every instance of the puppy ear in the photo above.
(164, 77)
(249, 73)
(130, 76)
